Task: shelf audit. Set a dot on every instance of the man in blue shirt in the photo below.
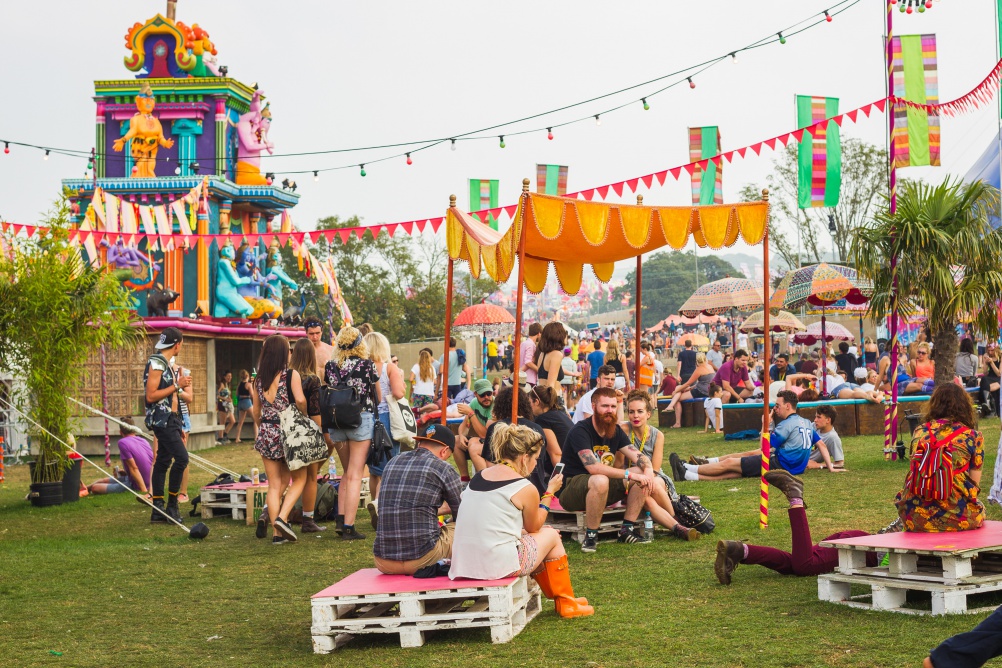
(596, 359)
(792, 439)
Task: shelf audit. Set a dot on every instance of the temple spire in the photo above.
(171, 9)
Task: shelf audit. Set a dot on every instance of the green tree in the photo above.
(864, 181)
(949, 261)
(669, 278)
(54, 310)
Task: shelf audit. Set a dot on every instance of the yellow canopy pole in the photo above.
(444, 369)
(763, 509)
(518, 303)
(636, 318)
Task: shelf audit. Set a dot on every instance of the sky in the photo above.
(351, 74)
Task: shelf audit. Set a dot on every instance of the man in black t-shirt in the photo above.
(686, 361)
(591, 482)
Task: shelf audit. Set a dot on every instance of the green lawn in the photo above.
(94, 581)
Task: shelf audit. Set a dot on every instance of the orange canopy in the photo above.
(571, 233)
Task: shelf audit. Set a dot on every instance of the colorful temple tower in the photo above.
(178, 146)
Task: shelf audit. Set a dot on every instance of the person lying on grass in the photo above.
(650, 442)
(824, 419)
(792, 439)
(137, 463)
(805, 559)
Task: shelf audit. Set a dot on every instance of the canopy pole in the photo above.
(518, 303)
(824, 354)
(444, 369)
(763, 504)
(891, 412)
(636, 347)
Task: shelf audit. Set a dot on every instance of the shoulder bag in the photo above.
(692, 514)
(302, 442)
(403, 425)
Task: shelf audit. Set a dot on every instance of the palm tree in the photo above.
(949, 261)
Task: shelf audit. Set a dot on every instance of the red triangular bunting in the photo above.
(649, 179)
(83, 235)
(587, 194)
(407, 227)
(17, 228)
(741, 151)
(757, 148)
(510, 210)
(771, 143)
(728, 156)
(675, 173)
(799, 134)
(689, 168)
(852, 115)
(618, 189)
(390, 229)
(496, 213)
(436, 223)
(838, 120)
(340, 234)
(718, 161)
(632, 184)
(880, 104)
(283, 239)
(662, 176)
(603, 192)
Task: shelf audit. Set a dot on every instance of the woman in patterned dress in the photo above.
(271, 392)
(951, 418)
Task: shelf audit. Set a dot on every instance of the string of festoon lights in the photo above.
(687, 75)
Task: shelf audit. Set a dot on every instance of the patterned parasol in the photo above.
(488, 319)
(698, 340)
(722, 296)
(784, 321)
(820, 285)
(832, 332)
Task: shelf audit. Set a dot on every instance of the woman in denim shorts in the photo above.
(350, 365)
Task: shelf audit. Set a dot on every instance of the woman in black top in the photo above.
(550, 355)
(304, 360)
(481, 454)
(555, 423)
(244, 403)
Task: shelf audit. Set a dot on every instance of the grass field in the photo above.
(94, 581)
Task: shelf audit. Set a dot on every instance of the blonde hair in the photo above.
(700, 358)
(511, 441)
(244, 375)
(612, 351)
(349, 343)
(378, 345)
(425, 368)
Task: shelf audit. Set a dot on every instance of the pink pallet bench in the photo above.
(949, 566)
(368, 601)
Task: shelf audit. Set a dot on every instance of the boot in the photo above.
(157, 517)
(542, 578)
(173, 511)
(986, 401)
(685, 533)
(729, 555)
(339, 525)
(559, 583)
(261, 530)
(310, 526)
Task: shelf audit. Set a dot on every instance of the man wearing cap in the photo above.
(164, 418)
(476, 415)
(417, 487)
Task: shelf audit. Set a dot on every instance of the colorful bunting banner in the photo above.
(707, 175)
(820, 152)
(484, 195)
(551, 180)
(916, 135)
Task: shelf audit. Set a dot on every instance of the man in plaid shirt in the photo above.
(417, 487)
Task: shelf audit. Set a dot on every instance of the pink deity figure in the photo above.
(146, 133)
(252, 139)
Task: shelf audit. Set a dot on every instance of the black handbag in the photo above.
(692, 514)
(381, 447)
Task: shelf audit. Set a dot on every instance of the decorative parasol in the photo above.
(722, 296)
(832, 332)
(784, 321)
(697, 340)
(488, 320)
(820, 285)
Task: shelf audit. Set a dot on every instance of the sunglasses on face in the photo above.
(486, 394)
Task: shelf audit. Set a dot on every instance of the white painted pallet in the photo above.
(573, 523)
(224, 502)
(504, 609)
(890, 594)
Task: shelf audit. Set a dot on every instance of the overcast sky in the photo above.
(349, 74)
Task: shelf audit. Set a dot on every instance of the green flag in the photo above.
(819, 155)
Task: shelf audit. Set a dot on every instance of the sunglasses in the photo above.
(922, 352)
(487, 394)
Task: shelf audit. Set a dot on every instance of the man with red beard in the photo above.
(591, 482)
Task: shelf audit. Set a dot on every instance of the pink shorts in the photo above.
(527, 551)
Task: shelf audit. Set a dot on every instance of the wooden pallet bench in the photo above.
(949, 566)
(368, 601)
(572, 523)
(244, 500)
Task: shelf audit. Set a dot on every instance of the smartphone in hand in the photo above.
(559, 468)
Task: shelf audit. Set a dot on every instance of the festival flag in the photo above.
(819, 153)
(484, 195)
(916, 136)
(551, 180)
(707, 186)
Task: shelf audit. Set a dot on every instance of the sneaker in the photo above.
(729, 555)
(630, 536)
(698, 461)
(677, 467)
(590, 544)
(352, 534)
(685, 533)
(789, 485)
(278, 540)
(373, 514)
(262, 524)
(893, 527)
(284, 530)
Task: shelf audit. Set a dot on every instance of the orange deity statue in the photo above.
(146, 133)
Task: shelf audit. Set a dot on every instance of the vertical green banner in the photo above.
(484, 195)
(819, 154)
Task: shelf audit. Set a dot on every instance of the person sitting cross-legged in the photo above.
(592, 482)
(805, 559)
(792, 440)
(824, 419)
(416, 488)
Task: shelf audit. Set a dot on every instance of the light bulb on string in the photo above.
(647, 107)
(452, 146)
(828, 17)
(734, 56)
(46, 156)
(361, 170)
(692, 84)
(6, 147)
(598, 119)
(549, 133)
(501, 141)
(409, 161)
(782, 40)
(316, 176)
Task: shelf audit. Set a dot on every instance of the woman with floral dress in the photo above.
(275, 387)
(951, 419)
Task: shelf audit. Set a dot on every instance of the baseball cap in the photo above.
(482, 385)
(169, 338)
(438, 433)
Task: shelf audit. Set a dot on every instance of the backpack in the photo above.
(324, 509)
(340, 405)
(931, 471)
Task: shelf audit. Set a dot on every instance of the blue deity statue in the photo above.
(229, 301)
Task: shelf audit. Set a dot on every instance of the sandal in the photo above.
(182, 498)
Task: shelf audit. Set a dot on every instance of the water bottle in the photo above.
(331, 468)
(648, 526)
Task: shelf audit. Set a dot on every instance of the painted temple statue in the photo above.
(179, 124)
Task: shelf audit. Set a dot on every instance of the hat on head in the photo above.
(169, 338)
(482, 385)
(437, 433)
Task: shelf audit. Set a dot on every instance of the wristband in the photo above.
(544, 507)
(626, 474)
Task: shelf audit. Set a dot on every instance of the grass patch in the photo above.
(95, 581)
